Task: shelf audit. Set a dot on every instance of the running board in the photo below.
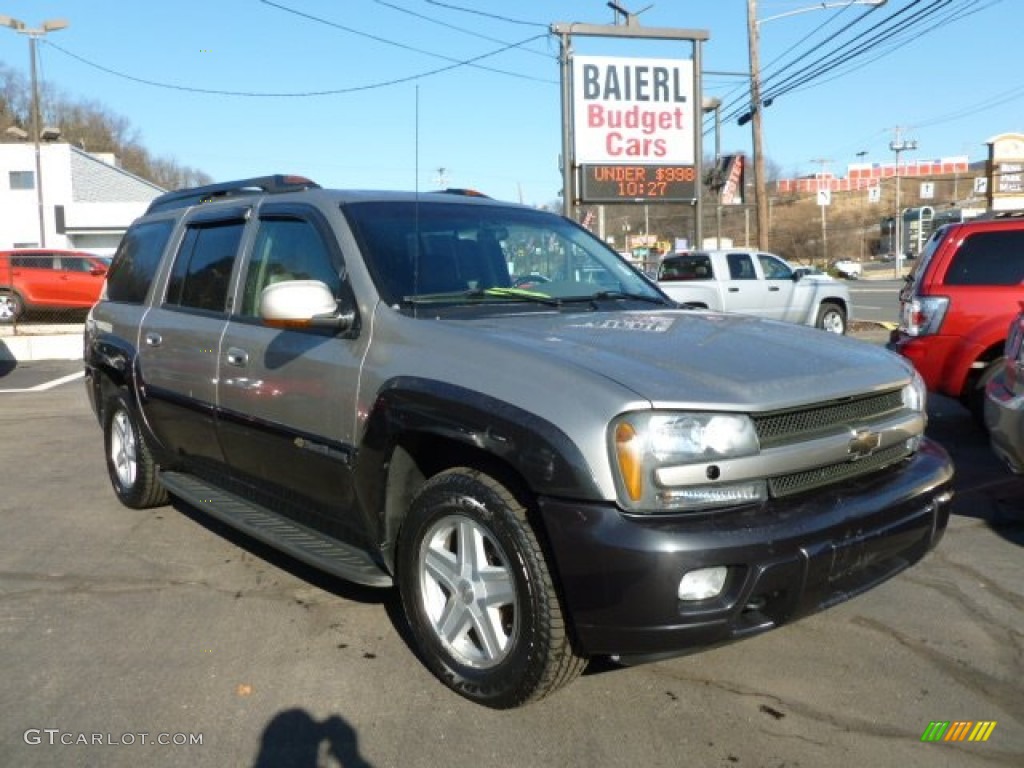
(302, 543)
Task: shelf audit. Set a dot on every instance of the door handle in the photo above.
(238, 357)
(773, 288)
(154, 339)
(734, 290)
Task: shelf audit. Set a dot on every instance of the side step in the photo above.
(294, 539)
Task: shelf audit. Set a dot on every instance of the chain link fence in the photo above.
(48, 290)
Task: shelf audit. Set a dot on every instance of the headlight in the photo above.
(915, 394)
(644, 442)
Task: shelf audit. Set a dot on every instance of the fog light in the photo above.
(703, 583)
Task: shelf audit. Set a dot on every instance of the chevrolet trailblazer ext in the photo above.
(547, 474)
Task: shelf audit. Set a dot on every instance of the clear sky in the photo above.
(378, 95)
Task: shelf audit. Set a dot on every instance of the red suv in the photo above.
(959, 301)
(48, 279)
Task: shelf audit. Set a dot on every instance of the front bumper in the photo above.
(619, 574)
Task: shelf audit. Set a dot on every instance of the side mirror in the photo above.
(297, 304)
(98, 271)
(800, 274)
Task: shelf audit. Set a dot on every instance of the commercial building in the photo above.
(88, 202)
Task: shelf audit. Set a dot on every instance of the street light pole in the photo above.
(52, 25)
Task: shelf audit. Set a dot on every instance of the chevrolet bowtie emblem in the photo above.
(863, 444)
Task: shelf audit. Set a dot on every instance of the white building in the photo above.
(88, 202)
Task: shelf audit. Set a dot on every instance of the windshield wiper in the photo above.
(517, 293)
(521, 294)
(619, 296)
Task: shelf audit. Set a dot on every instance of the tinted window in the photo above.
(989, 258)
(287, 249)
(136, 261)
(75, 264)
(741, 266)
(33, 261)
(695, 267)
(478, 253)
(202, 269)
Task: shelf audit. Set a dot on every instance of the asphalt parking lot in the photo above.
(130, 636)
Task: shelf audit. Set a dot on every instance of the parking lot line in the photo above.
(47, 384)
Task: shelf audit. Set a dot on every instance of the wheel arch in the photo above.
(418, 428)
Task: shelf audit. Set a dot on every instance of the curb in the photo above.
(42, 346)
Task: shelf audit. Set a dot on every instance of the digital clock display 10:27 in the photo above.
(622, 183)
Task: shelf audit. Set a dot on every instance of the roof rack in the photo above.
(277, 183)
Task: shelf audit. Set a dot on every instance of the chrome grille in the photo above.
(788, 426)
(797, 482)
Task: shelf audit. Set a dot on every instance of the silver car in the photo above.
(1004, 401)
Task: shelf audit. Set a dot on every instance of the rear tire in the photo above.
(478, 593)
(133, 472)
(11, 307)
(831, 318)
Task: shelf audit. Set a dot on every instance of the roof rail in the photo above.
(464, 192)
(277, 183)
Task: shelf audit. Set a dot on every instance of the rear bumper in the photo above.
(944, 362)
(620, 574)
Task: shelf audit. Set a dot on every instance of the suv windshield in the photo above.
(468, 253)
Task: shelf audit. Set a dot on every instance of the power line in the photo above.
(456, 28)
(487, 15)
(288, 94)
(395, 43)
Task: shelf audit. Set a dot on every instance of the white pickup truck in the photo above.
(753, 282)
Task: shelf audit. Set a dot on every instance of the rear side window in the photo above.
(202, 269)
(136, 261)
(989, 258)
(33, 261)
(695, 267)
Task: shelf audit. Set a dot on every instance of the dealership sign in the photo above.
(634, 129)
(633, 111)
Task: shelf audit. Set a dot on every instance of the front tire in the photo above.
(478, 594)
(130, 464)
(831, 318)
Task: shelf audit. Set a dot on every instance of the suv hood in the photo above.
(693, 358)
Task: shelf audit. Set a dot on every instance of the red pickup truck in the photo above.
(48, 279)
(958, 302)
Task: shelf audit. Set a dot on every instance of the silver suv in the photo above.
(483, 405)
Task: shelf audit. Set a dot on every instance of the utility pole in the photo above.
(898, 145)
(824, 199)
(760, 186)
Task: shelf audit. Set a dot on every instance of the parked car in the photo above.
(755, 283)
(1004, 401)
(47, 278)
(579, 468)
(849, 268)
(958, 302)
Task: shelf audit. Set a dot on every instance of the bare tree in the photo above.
(92, 127)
